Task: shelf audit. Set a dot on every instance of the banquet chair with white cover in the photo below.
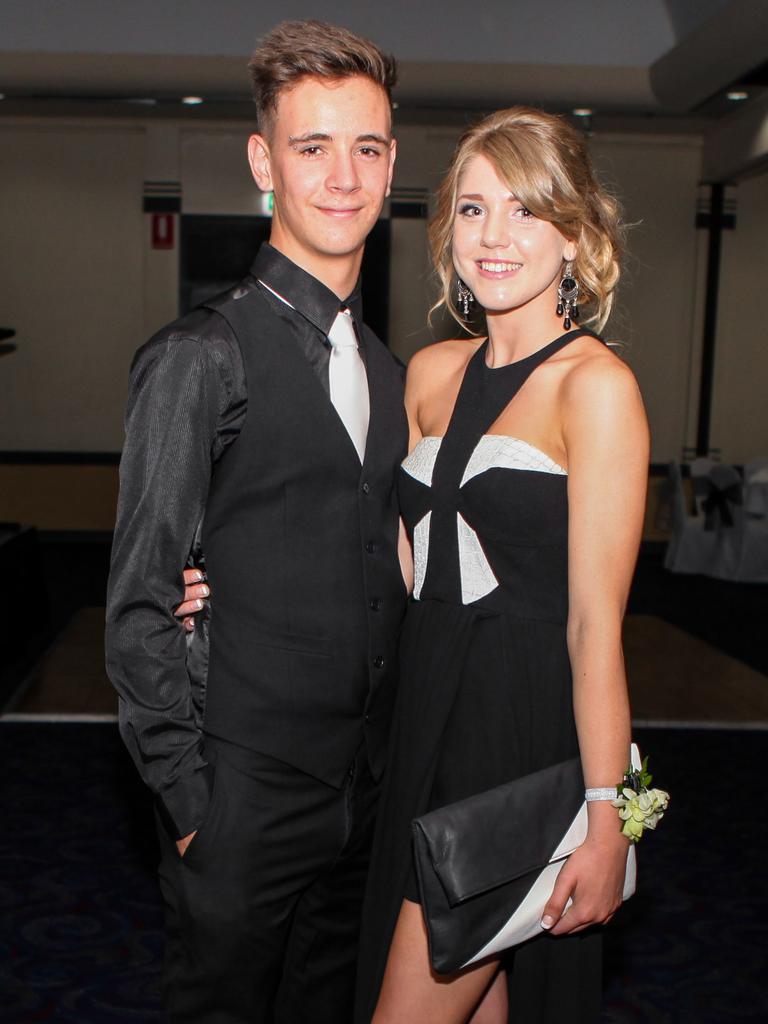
(724, 515)
(699, 471)
(753, 535)
(727, 537)
(756, 487)
(691, 548)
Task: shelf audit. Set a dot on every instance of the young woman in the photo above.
(523, 497)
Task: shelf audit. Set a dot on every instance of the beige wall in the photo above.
(59, 497)
(740, 393)
(215, 172)
(656, 179)
(71, 273)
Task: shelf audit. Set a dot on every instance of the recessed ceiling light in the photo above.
(737, 94)
(583, 111)
(192, 101)
(2, 95)
(395, 105)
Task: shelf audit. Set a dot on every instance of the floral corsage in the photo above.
(640, 807)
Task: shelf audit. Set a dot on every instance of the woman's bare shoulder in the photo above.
(600, 392)
(591, 367)
(442, 358)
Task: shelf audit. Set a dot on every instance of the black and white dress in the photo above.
(485, 691)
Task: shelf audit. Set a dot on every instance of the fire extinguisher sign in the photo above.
(162, 231)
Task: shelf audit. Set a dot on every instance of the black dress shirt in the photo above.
(187, 403)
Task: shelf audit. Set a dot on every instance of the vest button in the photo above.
(366, 488)
(378, 661)
(370, 547)
(376, 604)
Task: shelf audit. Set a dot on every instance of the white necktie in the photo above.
(348, 382)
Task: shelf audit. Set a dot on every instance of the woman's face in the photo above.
(506, 256)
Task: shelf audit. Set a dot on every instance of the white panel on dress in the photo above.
(497, 451)
(477, 577)
(420, 464)
(420, 553)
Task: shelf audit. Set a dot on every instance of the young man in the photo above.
(267, 426)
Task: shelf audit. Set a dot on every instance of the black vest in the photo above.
(300, 548)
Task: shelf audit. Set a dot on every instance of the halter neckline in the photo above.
(544, 350)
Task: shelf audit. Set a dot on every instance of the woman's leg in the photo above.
(494, 1009)
(411, 991)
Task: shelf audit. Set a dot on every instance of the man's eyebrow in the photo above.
(373, 137)
(309, 137)
(326, 137)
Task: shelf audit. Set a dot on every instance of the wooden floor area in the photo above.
(674, 677)
(70, 679)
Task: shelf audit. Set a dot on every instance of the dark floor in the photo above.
(81, 921)
(44, 580)
(75, 574)
(47, 584)
(729, 616)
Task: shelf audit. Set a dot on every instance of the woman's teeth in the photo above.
(498, 268)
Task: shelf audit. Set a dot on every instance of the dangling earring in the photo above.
(464, 297)
(568, 296)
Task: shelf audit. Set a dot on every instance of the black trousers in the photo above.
(263, 910)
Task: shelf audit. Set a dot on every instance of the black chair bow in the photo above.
(719, 496)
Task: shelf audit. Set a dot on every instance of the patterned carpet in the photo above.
(80, 939)
(80, 920)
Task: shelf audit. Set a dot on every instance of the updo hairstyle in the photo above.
(544, 161)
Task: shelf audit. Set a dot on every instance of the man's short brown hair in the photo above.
(296, 49)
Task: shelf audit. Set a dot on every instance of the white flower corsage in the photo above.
(640, 807)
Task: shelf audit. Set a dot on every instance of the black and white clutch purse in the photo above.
(486, 866)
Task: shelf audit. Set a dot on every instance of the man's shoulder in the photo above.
(200, 324)
(204, 330)
(206, 321)
(186, 341)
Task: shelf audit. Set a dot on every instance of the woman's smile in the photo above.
(495, 269)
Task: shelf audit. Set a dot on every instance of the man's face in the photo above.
(328, 158)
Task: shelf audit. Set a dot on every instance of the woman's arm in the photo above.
(606, 437)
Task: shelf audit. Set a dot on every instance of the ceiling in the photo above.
(663, 63)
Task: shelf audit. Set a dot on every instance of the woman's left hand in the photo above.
(593, 878)
(195, 591)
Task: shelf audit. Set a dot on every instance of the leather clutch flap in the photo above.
(486, 866)
(504, 833)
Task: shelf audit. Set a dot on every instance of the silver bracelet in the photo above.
(604, 793)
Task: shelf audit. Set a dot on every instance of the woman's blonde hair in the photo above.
(545, 163)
